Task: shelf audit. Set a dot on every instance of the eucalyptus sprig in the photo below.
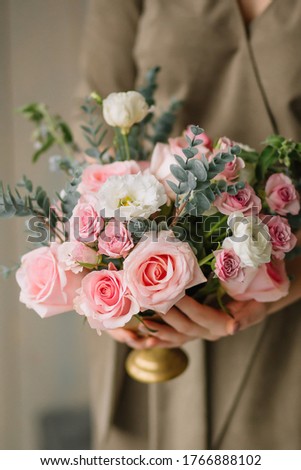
(93, 130)
(35, 203)
(196, 189)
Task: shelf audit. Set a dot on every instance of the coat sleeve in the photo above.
(107, 63)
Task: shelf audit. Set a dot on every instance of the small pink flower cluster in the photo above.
(268, 281)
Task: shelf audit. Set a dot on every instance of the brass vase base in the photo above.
(156, 365)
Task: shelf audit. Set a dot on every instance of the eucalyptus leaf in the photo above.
(192, 182)
(196, 130)
(179, 173)
(198, 169)
(174, 187)
(180, 161)
(190, 152)
(201, 202)
(93, 152)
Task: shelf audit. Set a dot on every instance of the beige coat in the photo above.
(242, 392)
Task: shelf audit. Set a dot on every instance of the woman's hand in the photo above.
(186, 321)
(189, 320)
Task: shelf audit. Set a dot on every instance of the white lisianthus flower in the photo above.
(124, 109)
(250, 239)
(131, 196)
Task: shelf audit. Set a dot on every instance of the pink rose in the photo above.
(85, 223)
(282, 238)
(94, 176)
(228, 265)
(70, 254)
(161, 160)
(45, 286)
(105, 300)
(245, 201)
(281, 195)
(268, 283)
(159, 270)
(115, 241)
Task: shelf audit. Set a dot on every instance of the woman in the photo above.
(236, 64)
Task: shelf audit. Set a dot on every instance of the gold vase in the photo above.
(156, 365)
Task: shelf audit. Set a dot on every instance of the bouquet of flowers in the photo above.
(147, 217)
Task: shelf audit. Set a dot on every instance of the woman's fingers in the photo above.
(217, 322)
(183, 324)
(168, 334)
(132, 339)
(248, 313)
(190, 320)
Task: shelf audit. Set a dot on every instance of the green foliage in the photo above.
(249, 156)
(93, 130)
(279, 155)
(50, 130)
(150, 129)
(150, 85)
(195, 185)
(70, 195)
(163, 126)
(12, 203)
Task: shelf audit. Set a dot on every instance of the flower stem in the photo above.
(216, 226)
(206, 259)
(126, 146)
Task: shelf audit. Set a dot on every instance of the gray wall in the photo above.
(43, 363)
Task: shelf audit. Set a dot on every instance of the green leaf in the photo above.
(197, 142)
(87, 265)
(249, 157)
(175, 188)
(201, 202)
(209, 194)
(101, 137)
(26, 183)
(225, 157)
(179, 173)
(180, 161)
(66, 131)
(87, 129)
(45, 146)
(267, 159)
(150, 86)
(222, 185)
(32, 112)
(196, 130)
(190, 152)
(198, 169)
(93, 152)
(188, 140)
(232, 190)
(235, 150)
(164, 124)
(192, 182)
